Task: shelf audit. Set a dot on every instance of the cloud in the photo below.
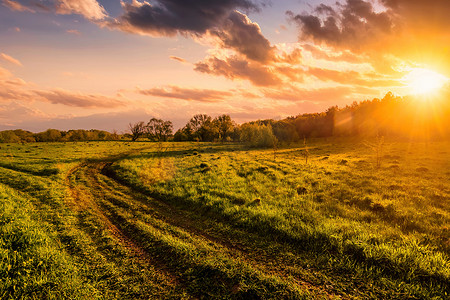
(34, 120)
(170, 17)
(293, 57)
(76, 99)
(330, 55)
(73, 31)
(315, 95)
(217, 22)
(237, 68)
(90, 9)
(352, 78)
(4, 73)
(16, 82)
(16, 89)
(202, 95)
(354, 25)
(14, 111)
(10, 59)
(179, 59)
(245, 37)
(16, 6)
(413, 31)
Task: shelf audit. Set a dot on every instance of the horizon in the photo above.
(104, 64)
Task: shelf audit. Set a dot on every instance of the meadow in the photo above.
(326, 219)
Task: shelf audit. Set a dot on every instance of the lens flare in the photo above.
(424, 81)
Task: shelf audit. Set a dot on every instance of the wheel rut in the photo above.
(91, 188)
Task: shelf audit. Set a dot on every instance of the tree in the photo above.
(8, 136)
(224, 126)
(285, 131)
(137, 130)
(256, 135)
(159, 130)
(50, 135)
(200, 127)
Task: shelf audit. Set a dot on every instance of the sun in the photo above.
(424, 81)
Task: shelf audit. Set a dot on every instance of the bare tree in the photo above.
(159, 130)
(137, 130)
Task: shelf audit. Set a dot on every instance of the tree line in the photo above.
(54, 135)
(389, 116)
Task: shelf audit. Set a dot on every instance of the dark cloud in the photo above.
(236, 68)
(169, 17)
(219, 20)
(174, 92)
(352, 25)
(245, 37)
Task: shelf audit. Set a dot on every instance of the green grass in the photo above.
(200, 220)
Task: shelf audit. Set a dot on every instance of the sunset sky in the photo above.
(82, 64)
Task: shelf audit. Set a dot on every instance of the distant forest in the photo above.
(391, 116)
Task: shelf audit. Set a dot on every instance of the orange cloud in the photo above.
(413, 31)
(346, 56)
(16, 6)
(4, 73)
(19, 112)
(73, 31)
(10, 59)
(76, 99)
(351, 78)
(294, 57)
(90, 9)
(179, 59)
(16, 89)
(236, 68)
(315, 95)
(174, 92)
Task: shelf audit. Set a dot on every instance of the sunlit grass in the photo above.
(391, 219)
(193, 220)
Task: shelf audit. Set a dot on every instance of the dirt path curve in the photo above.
(89, 185)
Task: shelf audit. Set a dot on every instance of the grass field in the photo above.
(198, 220)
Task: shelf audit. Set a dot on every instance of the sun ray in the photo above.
(422, 81)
